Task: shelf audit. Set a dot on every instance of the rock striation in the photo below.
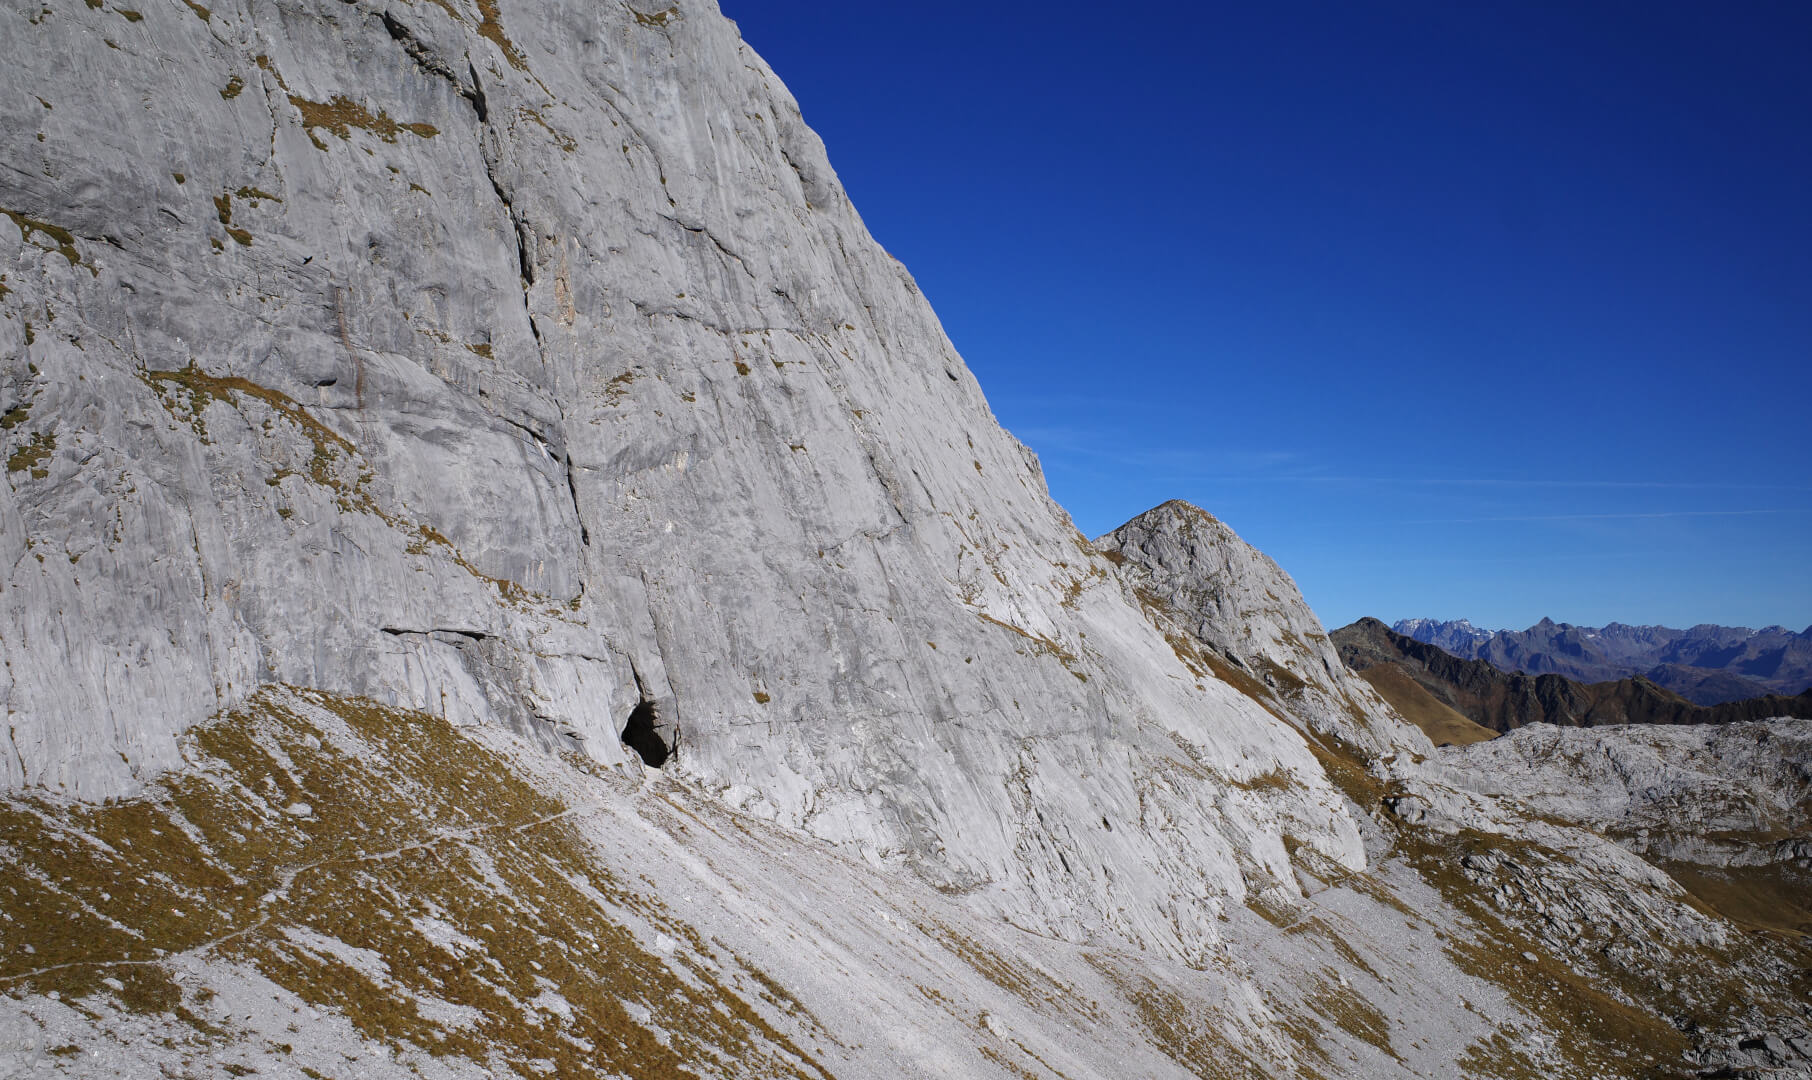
(531, 369)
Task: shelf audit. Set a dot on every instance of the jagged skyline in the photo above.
(1449, 310)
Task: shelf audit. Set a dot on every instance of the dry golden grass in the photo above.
(1600, 1035)
(61, 239)
(1774, 899)
(341, 114)
(1024, 981)
(31, 454)
(412, 826)
(1439, 722)
(1179, 1028)
(491, 28)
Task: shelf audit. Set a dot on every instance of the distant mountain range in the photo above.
(1459, 700)
(1457, 636)
(1708, 665)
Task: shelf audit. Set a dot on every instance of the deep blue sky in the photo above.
(1451, 311)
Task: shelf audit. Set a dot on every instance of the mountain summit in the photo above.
(1458, 636)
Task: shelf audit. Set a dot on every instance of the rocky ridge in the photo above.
(1207, 588)
(587, 394)
(504, 569)
(1457, 636)
(1406, 669)
(1706, 664)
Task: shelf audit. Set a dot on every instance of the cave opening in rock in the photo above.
(639, 735)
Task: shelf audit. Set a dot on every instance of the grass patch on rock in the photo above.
(378, 864)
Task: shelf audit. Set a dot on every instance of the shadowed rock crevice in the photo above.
(639, 734)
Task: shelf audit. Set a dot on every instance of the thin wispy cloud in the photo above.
(1488, 482)
(1609, 517)
(1277, 466)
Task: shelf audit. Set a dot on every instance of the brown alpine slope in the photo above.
(1438, 720)
(1500, 701)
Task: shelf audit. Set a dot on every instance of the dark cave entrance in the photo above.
(639, 735)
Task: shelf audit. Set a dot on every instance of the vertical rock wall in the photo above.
(528, 365)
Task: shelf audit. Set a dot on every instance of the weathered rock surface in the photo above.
(1725, 809)
(1471, 822)
(460, 905)
(1199, 582)
(1716, 794)
(418, 417)
(526, 368)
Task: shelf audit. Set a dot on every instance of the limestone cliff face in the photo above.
(530, 367)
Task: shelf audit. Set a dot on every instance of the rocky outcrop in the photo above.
(1721, 795)
(1607, 913)
(1501, 702)
(1232, 613)
(1725, 810)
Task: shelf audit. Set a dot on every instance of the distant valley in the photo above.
(1459, 700)
(1707, 665)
